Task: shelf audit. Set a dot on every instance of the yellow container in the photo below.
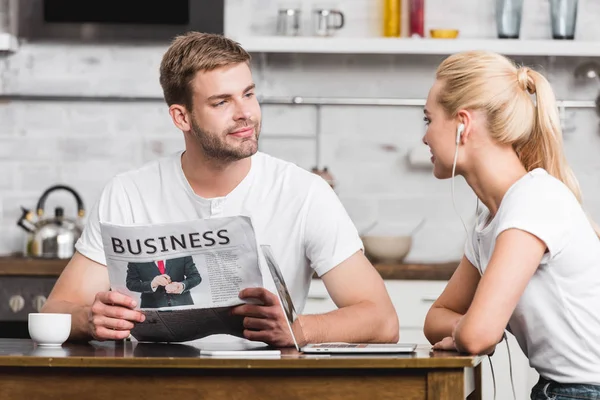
(392, 14)
(444, 33)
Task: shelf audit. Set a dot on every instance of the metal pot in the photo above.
(53, 237)
(325, 174)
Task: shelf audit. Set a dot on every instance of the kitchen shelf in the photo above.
(8, 43)
(17, 265)
(350, 45)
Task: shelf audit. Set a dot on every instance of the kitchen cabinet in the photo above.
(412, 299)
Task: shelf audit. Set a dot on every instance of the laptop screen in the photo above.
(284, 296)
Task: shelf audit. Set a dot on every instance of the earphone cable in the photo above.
(493, 375)
(510, 369)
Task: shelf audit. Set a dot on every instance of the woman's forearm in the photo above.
(440, 323)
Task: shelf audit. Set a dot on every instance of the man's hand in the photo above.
(160, 280)
(174, 287)
(264, 322)
(112, 316)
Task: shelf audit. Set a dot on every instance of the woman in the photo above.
(532, 261)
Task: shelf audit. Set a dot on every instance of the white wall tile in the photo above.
(293, 120)
(8, 176)
(299, 151)
(361, 209)
(12, 238)
(153, 148)
(35, 175)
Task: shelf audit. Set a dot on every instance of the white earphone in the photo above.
(459, 132)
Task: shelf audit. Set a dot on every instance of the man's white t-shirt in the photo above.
(293, 210)
(557, 319)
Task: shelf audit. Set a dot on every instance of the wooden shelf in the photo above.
(350, 45)
(23, 266)
(422, 272)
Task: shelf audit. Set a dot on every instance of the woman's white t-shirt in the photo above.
(293, 210)
(557, 319)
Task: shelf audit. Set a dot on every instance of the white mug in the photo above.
(47, 329)
(326, 20)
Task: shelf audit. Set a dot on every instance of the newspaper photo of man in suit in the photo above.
(163, 283)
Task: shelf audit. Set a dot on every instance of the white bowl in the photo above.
(50, 330)
(387, 249)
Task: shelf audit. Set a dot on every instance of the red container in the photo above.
(417, 18)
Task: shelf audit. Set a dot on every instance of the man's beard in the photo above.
(215, 145)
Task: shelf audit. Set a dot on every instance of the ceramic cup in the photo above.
(50, 330)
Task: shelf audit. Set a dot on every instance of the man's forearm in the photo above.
(440, 323)
(79, 317)
(363, 322)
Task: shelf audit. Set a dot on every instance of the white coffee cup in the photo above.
(50, 330)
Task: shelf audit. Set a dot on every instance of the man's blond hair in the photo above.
(193, 52)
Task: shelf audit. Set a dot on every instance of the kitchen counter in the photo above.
(98, 370)
(21, 266)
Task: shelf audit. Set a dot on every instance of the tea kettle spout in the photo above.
(25, 220)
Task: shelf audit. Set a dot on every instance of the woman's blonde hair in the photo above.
(493, 84)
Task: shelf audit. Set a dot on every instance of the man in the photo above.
(164, 283)
(208, 86)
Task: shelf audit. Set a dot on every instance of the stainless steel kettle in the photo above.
(53, 237)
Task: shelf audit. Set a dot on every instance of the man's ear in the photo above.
(181, 118)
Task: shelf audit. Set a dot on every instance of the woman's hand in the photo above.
(446, 343)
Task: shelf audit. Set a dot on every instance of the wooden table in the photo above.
(129, 370)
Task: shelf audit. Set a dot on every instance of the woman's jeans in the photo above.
(550, 390)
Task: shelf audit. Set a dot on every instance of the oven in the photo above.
(117, 20)
(19, 296)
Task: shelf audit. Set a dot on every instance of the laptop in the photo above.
(296, 330)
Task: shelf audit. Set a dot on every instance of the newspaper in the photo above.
(185, 277)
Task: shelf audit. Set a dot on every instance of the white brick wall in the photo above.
(84, 144)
